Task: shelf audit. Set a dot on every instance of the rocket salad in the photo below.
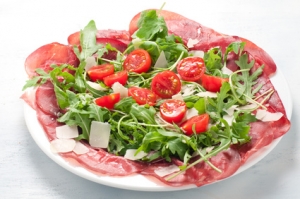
(173, 104)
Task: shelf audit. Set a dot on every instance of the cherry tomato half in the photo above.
(191, 68)
(166, 84)
(142, 95)
(120, 77)
(100, 71)
(173, 110)
(199, 121)
(212, 83)
(108, 101)
(138, 61)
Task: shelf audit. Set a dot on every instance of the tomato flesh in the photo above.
(138, 61)
(120, 77)
(108, 101)
(100, 71)
(199, 121)
(142, 95)
(212, 83)
(191, 68)
(172, 110)
(166, 84)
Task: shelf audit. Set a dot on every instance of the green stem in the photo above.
(209, 155)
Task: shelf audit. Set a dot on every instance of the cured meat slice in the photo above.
(46, 99)
(104, 37)
(100, 161)
(54, 53)
(227, 161)
(120, 35)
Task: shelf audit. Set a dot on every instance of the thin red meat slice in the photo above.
(104, 37)
(46, 99)
(54, 53)
(29, 97)
(227, 161)
(49, 123)
(120, 35)
(102, 162)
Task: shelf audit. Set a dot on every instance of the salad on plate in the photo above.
(169, 98)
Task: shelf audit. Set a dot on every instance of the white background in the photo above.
(26, 172)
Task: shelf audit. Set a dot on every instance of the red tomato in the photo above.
(166, 84)
(108, 101)
(120, 77)
(173, 110)
(212, 83)
(199, 121)
(100, 71)
(191, 68)
(138, 61)
(142, 95)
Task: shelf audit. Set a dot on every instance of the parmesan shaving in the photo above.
(192, 42)
(163, 171)
(207, 94)
(267, 116)
(99, 134)
(130, 154)
(197, 53)
(66, 131)
(90, 61)
(161, 61)
(62, 145)
(80, 148)
(96, 86)
(119, 88)
(226, 71)
(177, 96)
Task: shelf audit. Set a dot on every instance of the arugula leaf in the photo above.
(143, 114)
(213, 60)
(151, 26)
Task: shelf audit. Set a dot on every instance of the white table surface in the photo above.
(26, 172)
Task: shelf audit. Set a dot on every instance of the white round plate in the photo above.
(139, 182)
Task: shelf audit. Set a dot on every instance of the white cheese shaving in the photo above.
(62, 145)
(66, 131)
(187, 89)
(177, 96)
(119, 88)
(130, 154)
(80, 148)
(163, 171)
(197, 53)
(192, 42)
(267, 116)
(90, 61)
(207, 94)
(99, 134)
(96, 86)
(226, 71)
(161, 61)
(228, 119)
(190, 113)
(136, 42)
(231, 109)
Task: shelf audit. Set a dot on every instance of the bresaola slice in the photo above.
(53, 53)
(102, 162)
